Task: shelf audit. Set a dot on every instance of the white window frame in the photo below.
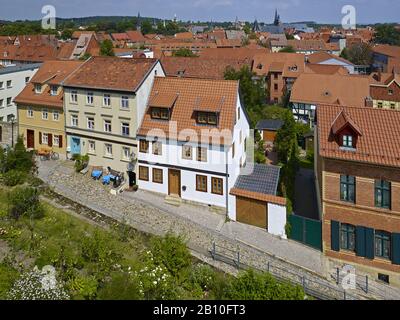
(89, 98)
(56, 118)
(347, 141)
(7, 84)
(29, 112)
(91, 146)
(9, 104)
(1, 85)
(106, 153)
(106, 100)
(38, 88)
(45, 138)
(126, 156)
(90, 123)
(56, 140)
(107, 125)
(1, 103)
(123, 125)
(74, 120)
(52, 91)
(45, 112)
(125, 102)
(74, 96)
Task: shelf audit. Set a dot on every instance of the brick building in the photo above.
(358, 178)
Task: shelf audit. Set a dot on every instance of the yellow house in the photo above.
(40, 107)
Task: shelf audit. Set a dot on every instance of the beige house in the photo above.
(40, 107)
(105, 100)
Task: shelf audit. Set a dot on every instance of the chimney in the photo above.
(368, 102)
(379, 75)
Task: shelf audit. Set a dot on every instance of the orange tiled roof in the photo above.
(190, 94)
(328, 89)
(325, 69)
(199, 67)
(385, 49)
(111, 73)
(322, 56)
(279, 62)
(244, 54)
(135, 36)
(380, 140)
(51, 72)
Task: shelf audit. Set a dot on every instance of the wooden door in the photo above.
(174, 182)
(30, 139)
(252, 212)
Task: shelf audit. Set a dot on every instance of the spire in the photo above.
(277, 20)
(139, 23)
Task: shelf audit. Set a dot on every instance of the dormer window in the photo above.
(38, 88)
(390, 92)
(207, 118)
(53, 90)
(347, 141)
(160, 113)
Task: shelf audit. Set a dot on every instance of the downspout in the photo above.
(227, 183)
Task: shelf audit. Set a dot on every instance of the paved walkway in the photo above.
(305, 199)
(149, 213)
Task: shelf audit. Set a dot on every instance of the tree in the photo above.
(288, 49)
(286, 139)
(66, 34)
(387, 34)
(251, 90)
(146, 27)
(359, 54)
(106, 48)
(184, 52)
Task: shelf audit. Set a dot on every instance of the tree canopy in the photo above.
(184, 52)
(359, 54)
(387, 34)
(106, 48)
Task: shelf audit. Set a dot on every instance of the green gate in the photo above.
(306, 231)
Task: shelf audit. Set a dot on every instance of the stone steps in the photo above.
(173, 200)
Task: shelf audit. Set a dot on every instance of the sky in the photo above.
(322, 11)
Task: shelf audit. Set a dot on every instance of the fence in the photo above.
(306, 231)
(317, 288)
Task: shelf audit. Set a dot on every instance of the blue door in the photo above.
(75, 145)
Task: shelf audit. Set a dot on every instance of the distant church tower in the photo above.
(277, 20)
(139, 23)
(256, 26)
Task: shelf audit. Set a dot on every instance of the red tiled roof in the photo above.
(380, 140)
(111, 73)
(258, 196)
(191, 92)
(51, 72)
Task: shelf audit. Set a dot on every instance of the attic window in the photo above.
(327, 93)
(207, 118)
(293, 68)
(390, 92)
(259, 66)
(160, 113)
(347, 141)
(38, 88)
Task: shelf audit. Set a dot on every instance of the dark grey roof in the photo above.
(263, 179)
(20, 67)
(273, 29)
(269, 124)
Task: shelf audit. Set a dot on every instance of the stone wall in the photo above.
(5, 133)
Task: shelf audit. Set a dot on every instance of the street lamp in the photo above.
(12, 118)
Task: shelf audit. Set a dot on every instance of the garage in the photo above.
(251, 211)
(256, 199)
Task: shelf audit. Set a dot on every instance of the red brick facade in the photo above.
(363, 212)
(276, 86)
(382, 93)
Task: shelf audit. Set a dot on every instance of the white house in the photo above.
(13, 79)
(192, 147)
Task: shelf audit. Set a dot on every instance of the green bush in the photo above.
(251, 285)
(121, 286)
(82, 287)
(24, 201)
(171, 251)
(81, 162)
(8, 275)
(14, 177)
(101, 249)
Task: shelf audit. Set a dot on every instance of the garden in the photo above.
(47, 252)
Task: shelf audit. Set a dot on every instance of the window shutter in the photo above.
(369, 243)
(50, 140)
(396, 248)
(60, 139)
(335, 235)
(360, 241)
(40, 137)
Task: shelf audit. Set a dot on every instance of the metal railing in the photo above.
(317, 288)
